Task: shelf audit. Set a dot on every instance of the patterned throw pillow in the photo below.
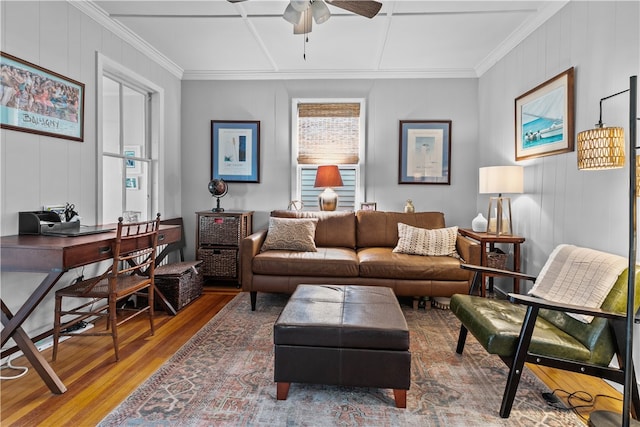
(421, 241)
(291, 234)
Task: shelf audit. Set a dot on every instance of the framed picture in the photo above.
(133, 167)
(40, 101)
(425, 152)
(132, 183)
(545, 118)
(368, 206)
(235, 150)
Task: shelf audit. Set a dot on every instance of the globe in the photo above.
(218, 188)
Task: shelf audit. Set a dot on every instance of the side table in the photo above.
(487, 243)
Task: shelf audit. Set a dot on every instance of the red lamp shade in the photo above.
(328, 176)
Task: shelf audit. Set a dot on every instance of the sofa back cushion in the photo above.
(377, 228)
(334, 229)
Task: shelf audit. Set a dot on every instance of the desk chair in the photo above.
(131, 272)
(544, 332)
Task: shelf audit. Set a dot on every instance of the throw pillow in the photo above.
(292, 234)
(422, 241)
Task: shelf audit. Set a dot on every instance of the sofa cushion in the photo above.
(293, 234)
(334, 229)
(421, 241)
(383, 263)
(380, 229)
(326, 262)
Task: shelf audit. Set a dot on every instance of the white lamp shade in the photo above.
(501, 179)
(300, 5)
(320, 11)
(291, 15)
(304, 26)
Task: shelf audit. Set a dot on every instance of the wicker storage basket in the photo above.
(220, 230)
(180, 282)
(218, 262)
(497, 259)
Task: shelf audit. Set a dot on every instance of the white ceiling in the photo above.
(215, 39)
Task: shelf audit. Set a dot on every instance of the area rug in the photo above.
(224, 377)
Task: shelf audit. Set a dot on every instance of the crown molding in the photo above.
(518, 35)
(98, 14)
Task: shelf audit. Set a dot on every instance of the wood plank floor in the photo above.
(96, 384)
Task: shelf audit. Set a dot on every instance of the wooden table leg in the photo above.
(32, 354)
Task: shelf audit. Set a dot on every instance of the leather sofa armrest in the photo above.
(249, 248)
(468, 249)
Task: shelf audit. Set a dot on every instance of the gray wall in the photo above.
(39, 170)
(388, 102)
(562, 204)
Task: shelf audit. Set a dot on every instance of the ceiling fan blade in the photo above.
(235, 1)
(367, 8)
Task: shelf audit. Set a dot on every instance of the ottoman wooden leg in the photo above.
(400, 396)
(282, 390)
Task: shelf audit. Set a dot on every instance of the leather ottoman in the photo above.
(343, 335)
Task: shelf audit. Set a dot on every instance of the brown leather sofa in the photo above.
(356, 249)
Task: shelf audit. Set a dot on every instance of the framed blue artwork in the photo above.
(235, 150)
(425, 152)
(545, 118)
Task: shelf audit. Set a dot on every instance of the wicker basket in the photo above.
(497, 259)
(219, 230)
(219, 262)
(179, 282)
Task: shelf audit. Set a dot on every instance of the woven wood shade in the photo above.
(601, 148)
(328, 133)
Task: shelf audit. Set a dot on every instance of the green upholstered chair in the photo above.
(529, 329)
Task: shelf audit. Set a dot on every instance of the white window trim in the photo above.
(295, 172)
(105, 65)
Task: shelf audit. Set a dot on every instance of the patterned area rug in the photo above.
(224, 376)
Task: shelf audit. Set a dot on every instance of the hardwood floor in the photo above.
(96, 384)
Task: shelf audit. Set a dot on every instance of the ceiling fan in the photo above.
(299, 12)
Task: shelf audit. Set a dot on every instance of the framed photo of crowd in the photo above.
(40, 101)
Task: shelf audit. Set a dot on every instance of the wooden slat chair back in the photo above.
(132, 272)
(534, 330)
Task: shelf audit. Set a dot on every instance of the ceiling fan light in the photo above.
(291, 15)
(304, 26)
(320, 11)
(300, 5)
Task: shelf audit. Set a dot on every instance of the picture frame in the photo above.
(425, 152)
(132, 183)
(544, 118)
(133, 167)
(368, 206)
(40, 101)
(235, 150)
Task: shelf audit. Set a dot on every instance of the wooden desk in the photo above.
(487, 243)
(54, 255)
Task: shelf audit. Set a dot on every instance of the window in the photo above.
(125, 151)
(129, 136)
(328, 131)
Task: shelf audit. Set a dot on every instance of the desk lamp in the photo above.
(500, 179)
(328, 176)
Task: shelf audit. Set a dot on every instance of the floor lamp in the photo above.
(603, 148)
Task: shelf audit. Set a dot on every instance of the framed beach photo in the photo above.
(235, 150)
(425, 152)
(544, 118)
(132, 183)
(40, 101)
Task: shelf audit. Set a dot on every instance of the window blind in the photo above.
(328, 133)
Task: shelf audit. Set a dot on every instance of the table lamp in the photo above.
(328, 176)
(500, 179)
